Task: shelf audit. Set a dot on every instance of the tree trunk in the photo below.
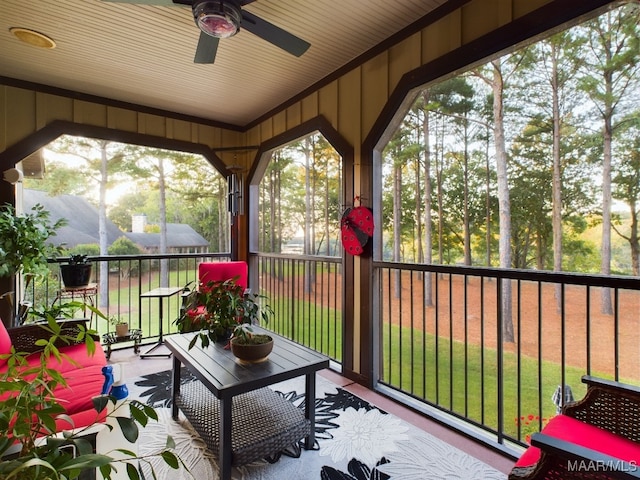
(466, 227)
(633, 240)
(308, 213)
(164, 263)
(605, 265)
(428, 233)
(556, 200)
(102, 227)
(504, 205)
(397, 223)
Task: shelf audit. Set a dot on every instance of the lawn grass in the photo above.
(463, 379)
(306, 323)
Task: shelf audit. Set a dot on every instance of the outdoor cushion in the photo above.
(74, 357)
(5, 342)
(217, 271)
(586, 435)
(81, 419)
(82, 372)
(221, 271)
(82, 385)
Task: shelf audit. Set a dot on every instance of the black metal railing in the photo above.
(119, 296)
(443, 343)
(445, 347)
(305, 293)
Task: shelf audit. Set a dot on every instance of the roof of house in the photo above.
(81, 217)
(179, 235)
(82, 224)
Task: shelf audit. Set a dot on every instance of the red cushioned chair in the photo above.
(220, 271)
(597, 437)
(216, 272)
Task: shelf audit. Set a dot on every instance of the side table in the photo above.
(86, 293)
(135, 335)
(160, 293)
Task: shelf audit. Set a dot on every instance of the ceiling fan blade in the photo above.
(159, 3)
(272, 34)
(207, 48)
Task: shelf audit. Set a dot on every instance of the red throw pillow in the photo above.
(5, 342)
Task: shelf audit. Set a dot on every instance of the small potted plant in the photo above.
(122, 327)
(219, 310)
(76, 272)
(249, 346)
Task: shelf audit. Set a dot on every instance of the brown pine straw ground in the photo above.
(535, 314)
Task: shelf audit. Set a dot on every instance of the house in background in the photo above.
(82, 226)
(81, 217)
(181, 238)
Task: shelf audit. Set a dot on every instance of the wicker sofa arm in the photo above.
(610, 405)
(24, 337)
(567, 461)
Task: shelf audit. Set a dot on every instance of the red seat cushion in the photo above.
(82, 385)
(585, 435)
(74, 357)
(5, 342)
(83, 374)
(220, 271)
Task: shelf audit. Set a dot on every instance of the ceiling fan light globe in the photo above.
(219, 19)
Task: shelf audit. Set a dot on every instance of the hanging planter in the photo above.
(76, 273)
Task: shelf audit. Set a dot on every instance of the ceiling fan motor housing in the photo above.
(218, 18)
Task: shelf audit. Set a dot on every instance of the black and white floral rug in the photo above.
(354, 441)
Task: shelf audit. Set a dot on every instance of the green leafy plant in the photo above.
(23, 241)
(243, 335)
(219, 309)
(30, 446)
(78, 259)
(42, 313)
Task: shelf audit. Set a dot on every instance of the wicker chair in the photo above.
(604, 444)
(24, 337)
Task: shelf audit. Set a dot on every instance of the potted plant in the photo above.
(24, 247)
(30, 446)
(122, 327)
(220, 310)
(249, 346)
(76, 272)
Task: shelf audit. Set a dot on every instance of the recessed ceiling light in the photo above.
(32, 37)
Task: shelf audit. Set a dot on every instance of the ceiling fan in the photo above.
(218, 19)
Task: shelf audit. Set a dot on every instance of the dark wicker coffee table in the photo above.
(238, 418)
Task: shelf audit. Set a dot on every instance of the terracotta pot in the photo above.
(251, 353)
(122, 329)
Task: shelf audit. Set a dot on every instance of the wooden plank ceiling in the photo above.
(143, 54)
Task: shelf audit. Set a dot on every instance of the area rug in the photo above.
(354, 441)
